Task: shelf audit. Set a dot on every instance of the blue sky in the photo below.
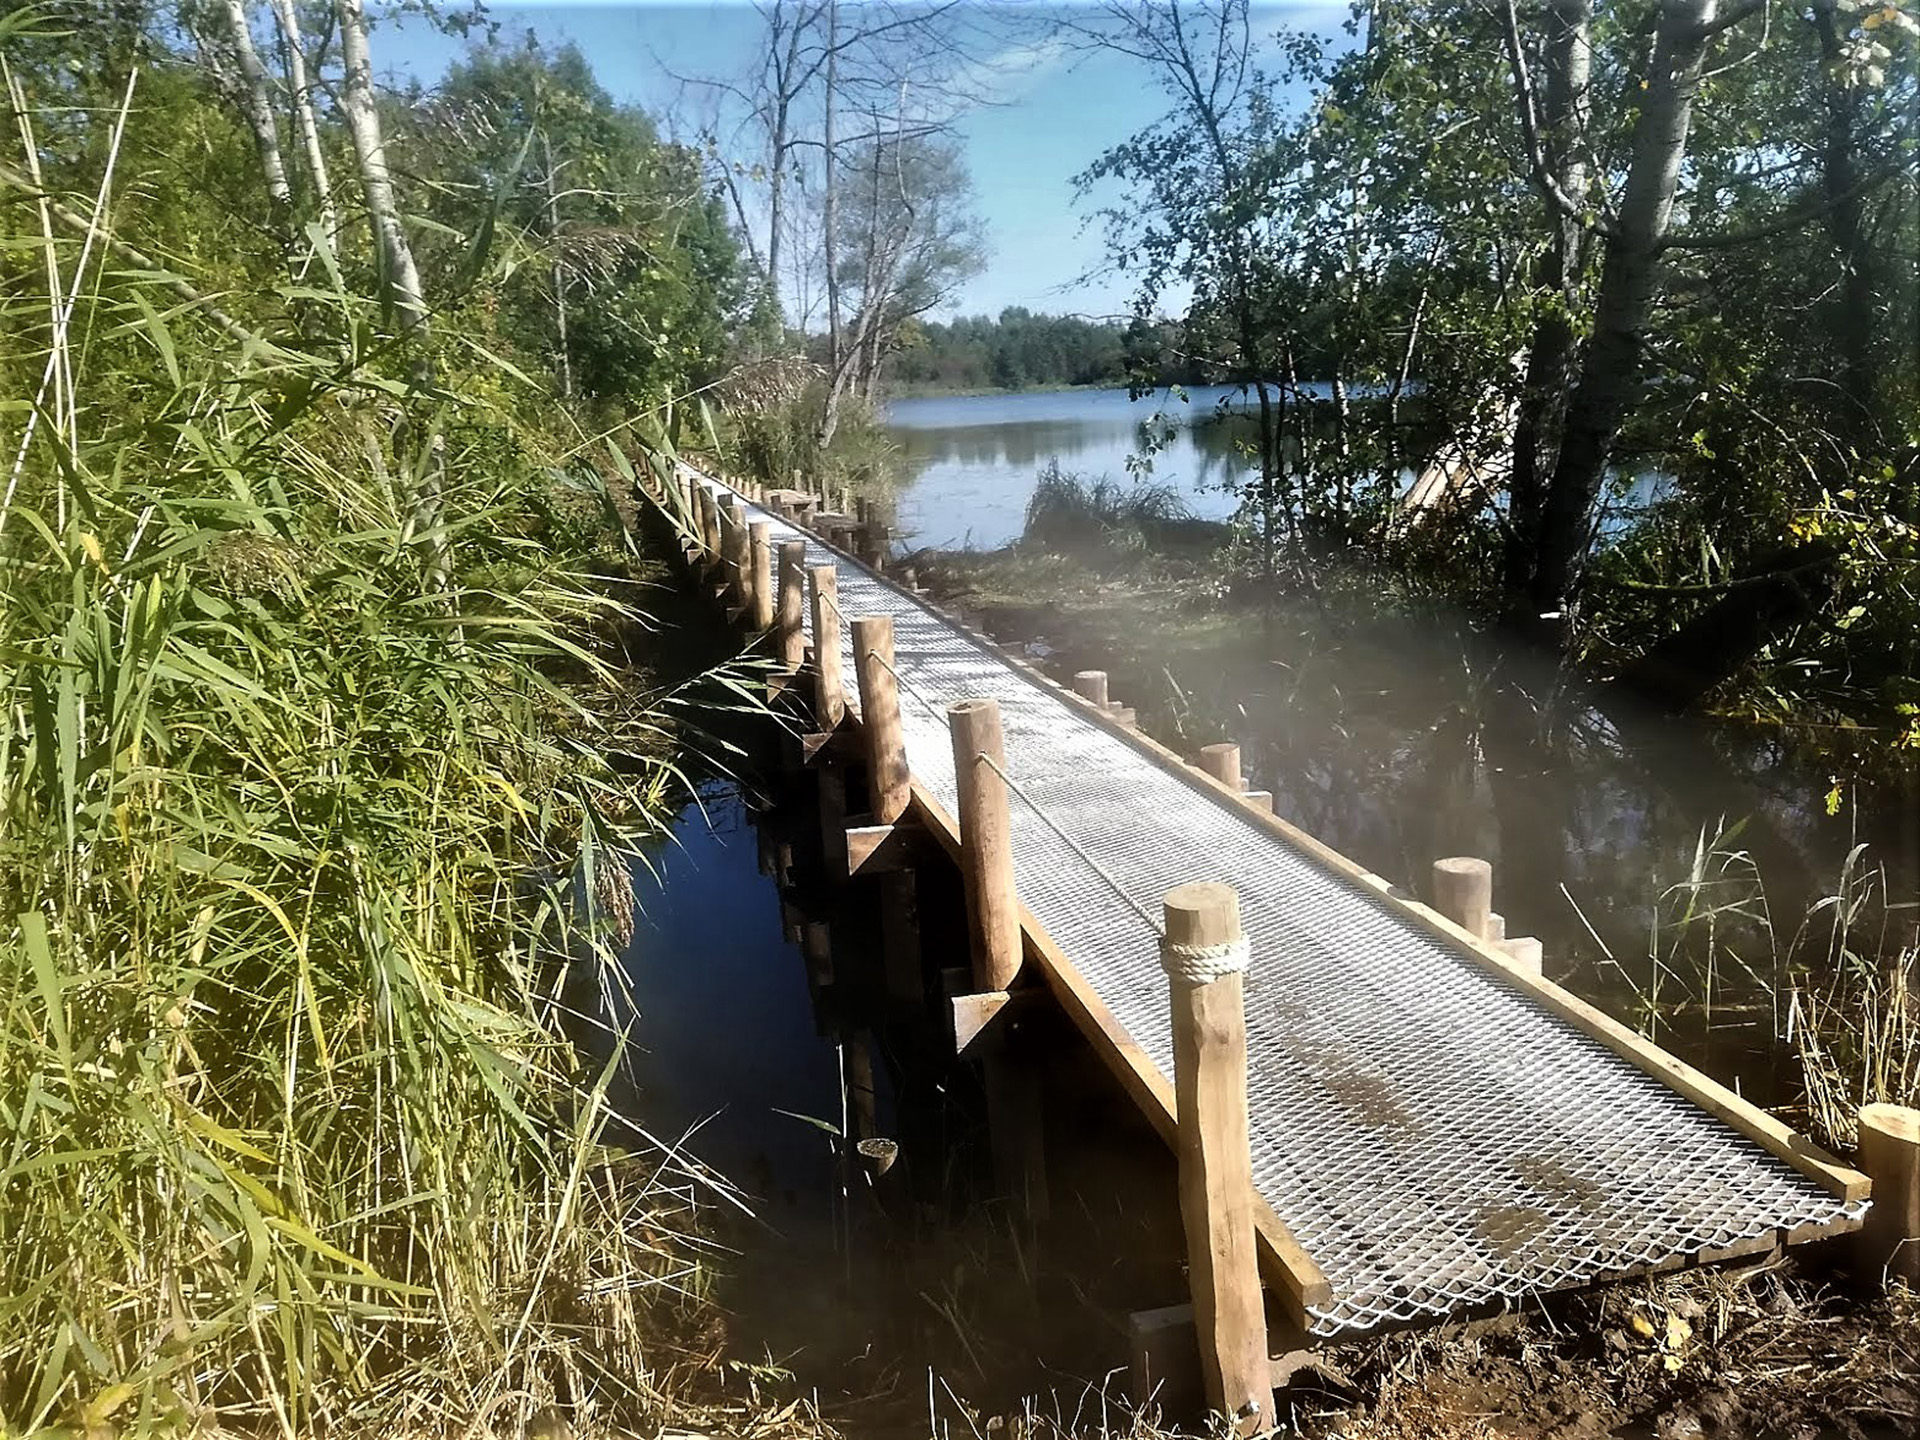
(1056, 114)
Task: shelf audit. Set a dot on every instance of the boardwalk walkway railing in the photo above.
(1433, 1127)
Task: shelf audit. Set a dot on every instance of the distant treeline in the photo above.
(1020, 350)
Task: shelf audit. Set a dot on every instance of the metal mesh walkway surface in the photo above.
(1434, 1137)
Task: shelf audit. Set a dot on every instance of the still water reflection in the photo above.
(968, 462)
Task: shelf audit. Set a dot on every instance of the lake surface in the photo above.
(968, 462)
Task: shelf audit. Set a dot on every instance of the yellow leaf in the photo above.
(1642, 1326)
(1679, 1332)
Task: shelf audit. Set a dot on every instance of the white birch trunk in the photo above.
(289, 19)
(259, 111)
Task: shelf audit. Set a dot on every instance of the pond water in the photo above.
(968, 462)
(750, 1054)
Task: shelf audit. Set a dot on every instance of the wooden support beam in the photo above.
(1204, 953)
(1463, 892)
(1890, 1154)
(972, 1013)
(738, 544)
(887, 772)
(829, 691)
(816, 943)
(789, 628)
(760, 568)
(1259, 799)
(1222, 762)
(900, 951)
(830, 776)
(874, 544)
(986, 842)
(1526, 952)
(709, 524)
(1091, 686)
(878, 849)
(1163, 1354)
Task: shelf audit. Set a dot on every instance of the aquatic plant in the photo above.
(1072, 514)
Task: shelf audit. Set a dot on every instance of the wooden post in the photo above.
(1889, 1243)
(881, 541)
(789, 627)
(709, 523)
(736, 547)
(1091, 685)
(1204, 953)
(887, 773)
(986, 842)
(1222, 762)
(1526, 952)
(760, 567)
(829, 691)
(1463, 892)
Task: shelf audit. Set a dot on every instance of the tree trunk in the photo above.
(258, 106)
(559, 272)
(1610, 376)
(830, 198)
(400, 278)
(1851, 310)
(1556, 283)
(289, 20)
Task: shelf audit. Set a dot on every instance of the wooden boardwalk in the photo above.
(1434, 1129)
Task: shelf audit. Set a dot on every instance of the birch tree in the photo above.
(257, 105)
(302, 99)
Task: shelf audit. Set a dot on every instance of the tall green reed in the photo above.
(293, 847)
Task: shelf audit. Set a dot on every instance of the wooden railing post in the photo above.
(709, 507)
(760, 566)
(829, 690)
(1091, 685)
(887, 773)
(789, 624)
(1890, 1154)
(986, 842)
(736, 548)
(1204, 952)
(1463, 892)
(1222, 762)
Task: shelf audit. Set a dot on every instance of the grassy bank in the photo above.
(310, 790)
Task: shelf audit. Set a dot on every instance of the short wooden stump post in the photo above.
(1222, 762)
(829, 689)
(1463, 892)
(1889, 1241)
(789, 622)
(760, 567)
(1091, 685)
(1204, 952)
(887, 773)
(986, 842)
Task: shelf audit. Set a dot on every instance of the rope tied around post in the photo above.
(1204, 964)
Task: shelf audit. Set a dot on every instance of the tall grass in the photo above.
(293, 844)
(1070, 514)
(1835, 989)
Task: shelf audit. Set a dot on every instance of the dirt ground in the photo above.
(1763, 1350)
